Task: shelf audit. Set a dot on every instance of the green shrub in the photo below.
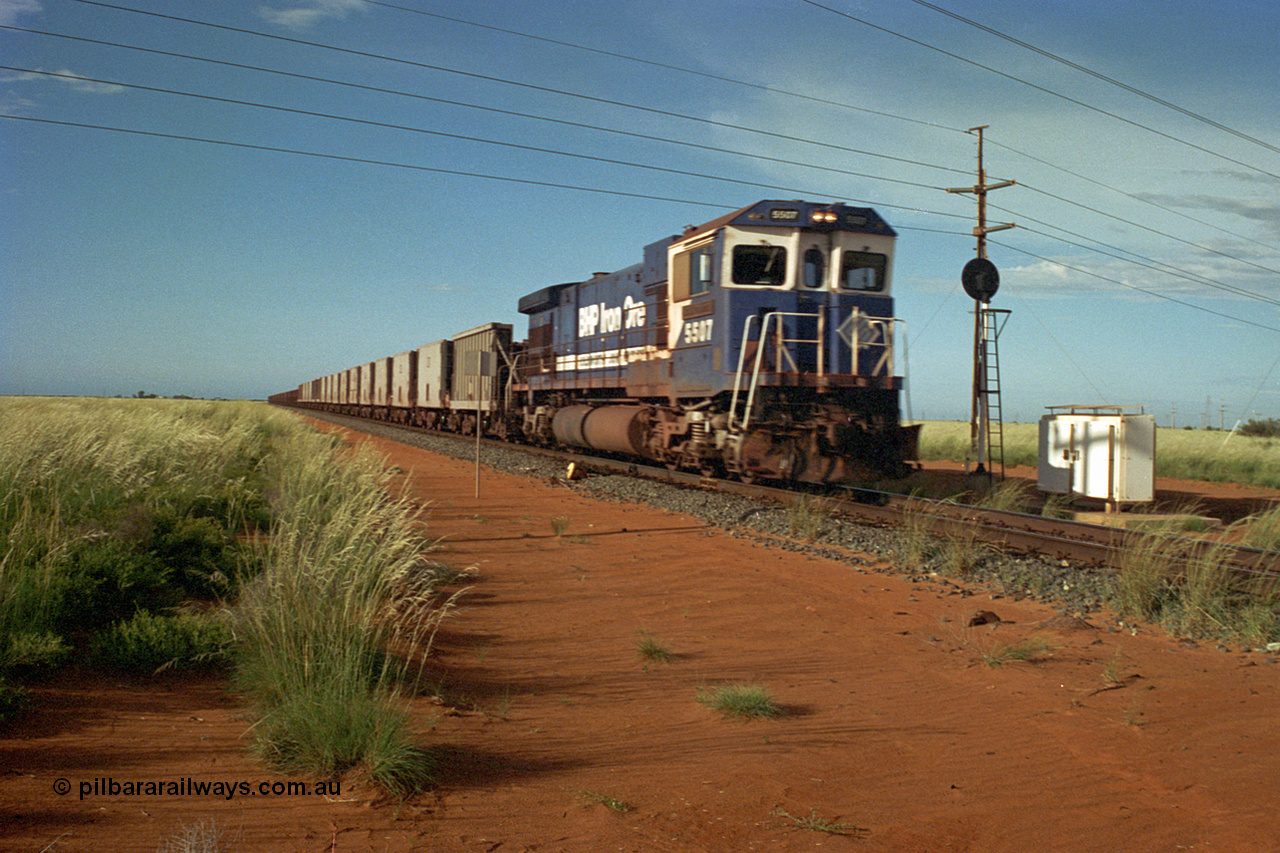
(109, 507)
(150, 642)
(32, 652)
(1266, 428)
(13, 701)
(106, 580)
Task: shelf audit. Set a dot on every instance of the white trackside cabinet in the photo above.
(1101, 452)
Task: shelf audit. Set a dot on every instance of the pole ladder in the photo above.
(993, 320)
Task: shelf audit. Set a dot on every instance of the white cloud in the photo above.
(11, 9)
(302, 15)
(69, 78)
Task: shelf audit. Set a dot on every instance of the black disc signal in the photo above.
(981, 279)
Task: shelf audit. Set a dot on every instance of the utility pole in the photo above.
(980, 190)
(981, 279)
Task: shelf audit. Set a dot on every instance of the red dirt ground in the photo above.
(894, 727)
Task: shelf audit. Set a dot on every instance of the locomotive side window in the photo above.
(700, 271)
(862, 271)
(815, 268)
(691, 273)
(760, 265)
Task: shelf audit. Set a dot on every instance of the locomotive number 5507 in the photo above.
(697, 331)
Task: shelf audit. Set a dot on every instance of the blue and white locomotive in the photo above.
(760, 344)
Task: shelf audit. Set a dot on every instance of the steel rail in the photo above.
(1094, 545)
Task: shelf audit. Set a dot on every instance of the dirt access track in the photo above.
(553, 734)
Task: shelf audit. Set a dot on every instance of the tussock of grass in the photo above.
(927, 542)
(1028, 650)
(1262, 530)
(608, 801)
(1189, 589)
(344, 581)
(741, 700)
(807, 517)
(111, 506)
(200, 837)
(115, 511)
(651, 649)
(813, 823)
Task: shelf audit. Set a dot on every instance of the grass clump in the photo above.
(1188, 587)
(814, 823)
(928, 542)
(1028, 650)
(1262, 530)
(807, 516)
(741, 700)
(201, 837)
(652, 649)
(608, 801)
(345, 583)
(108, 507)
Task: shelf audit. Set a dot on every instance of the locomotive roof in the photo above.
(799, 214)
(788, 214)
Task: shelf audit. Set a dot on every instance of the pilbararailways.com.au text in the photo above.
(187, 787)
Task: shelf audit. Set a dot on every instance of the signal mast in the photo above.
(981, 279)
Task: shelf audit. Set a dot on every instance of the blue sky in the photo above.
(1145, 269)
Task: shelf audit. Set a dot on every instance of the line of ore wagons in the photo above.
(435, 380)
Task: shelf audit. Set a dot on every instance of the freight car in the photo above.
(760, 344)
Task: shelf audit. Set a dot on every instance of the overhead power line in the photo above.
(443, 134)
(361, 160)
(1126, 194)
(480, 107)
(471, 174)
(1115, 281)
(516, 83)
(1128, 256)
(1038, 88)
(1097, 75)
(419, 168)
(774, 90)
(553, 185)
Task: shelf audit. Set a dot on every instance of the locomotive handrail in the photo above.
(881, 336)
(737, 377)
(780, 350)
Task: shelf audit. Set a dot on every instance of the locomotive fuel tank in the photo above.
(613, 429)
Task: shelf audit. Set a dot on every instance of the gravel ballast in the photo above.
(1074, 589)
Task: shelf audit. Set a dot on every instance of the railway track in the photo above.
(1097, 546)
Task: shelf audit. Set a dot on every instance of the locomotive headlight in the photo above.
(820, 216)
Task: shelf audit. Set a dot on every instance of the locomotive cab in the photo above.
(813, 289)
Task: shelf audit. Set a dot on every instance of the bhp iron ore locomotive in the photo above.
(760, 344)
